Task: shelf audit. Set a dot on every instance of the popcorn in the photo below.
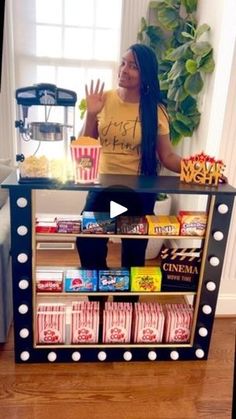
(42, 167)
(85, 141)
(34, 167)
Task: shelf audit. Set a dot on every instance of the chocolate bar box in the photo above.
(180, 268)
(98, 223)
(131, 225)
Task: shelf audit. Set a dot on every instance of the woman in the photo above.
(133, 129)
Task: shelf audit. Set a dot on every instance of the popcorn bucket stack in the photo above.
(85, 153)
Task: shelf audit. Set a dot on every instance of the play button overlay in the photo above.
(116, 200)
(116, 209)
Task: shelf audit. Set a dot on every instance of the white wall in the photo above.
(133, 11)
(217, 128)
(59, 202)
(221, 16)
(7, 103)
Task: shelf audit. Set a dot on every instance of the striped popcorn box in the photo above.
(117, 318)
(148, 323)
(178, 323)
(85, 322)
(50, 325)
(85, 159)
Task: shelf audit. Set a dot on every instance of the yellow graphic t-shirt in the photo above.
(120, 135)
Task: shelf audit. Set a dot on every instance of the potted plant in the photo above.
(184, 56)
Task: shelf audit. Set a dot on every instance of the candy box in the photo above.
(192, 223)
(98, 223)
(113, 280)
(163, 225)
(145, 278)
(46, 227)
(49, 281)
(131, 225)
(77, 280)
(69, 224)
(180, 268)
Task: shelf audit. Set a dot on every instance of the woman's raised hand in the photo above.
(94, 97)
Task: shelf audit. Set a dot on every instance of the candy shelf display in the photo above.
(29, 303)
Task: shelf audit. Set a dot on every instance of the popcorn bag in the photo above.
(85, 322)
(85, 153)
(50, 325)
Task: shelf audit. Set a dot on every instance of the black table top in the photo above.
(149, 184)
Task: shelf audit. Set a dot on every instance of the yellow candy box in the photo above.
(163, 225)
(145, 278)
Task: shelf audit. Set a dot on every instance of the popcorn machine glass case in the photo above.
(43, 143)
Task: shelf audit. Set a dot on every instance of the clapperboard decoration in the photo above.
(180, 268)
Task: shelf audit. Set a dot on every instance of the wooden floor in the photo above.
(135, 390)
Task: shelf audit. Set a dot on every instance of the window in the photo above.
(67, 42)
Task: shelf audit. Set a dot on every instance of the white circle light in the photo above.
(223, 208)
(214, 261)
(23, 309)
(23, 284)
(24, 333)
(24, 356)
(206, 309)
(127, 356)
(22, 230)
(22, 202)
(211, 286)
(203, 332)
(174, 355)
(52, 356)
(218, 236)
(22, 257)
(152, 356)
(199, 353)
(102, 356)
(76, 356)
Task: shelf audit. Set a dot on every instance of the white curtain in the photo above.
(133, 11)
(7, 102)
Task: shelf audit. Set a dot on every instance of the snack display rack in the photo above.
(220, 201)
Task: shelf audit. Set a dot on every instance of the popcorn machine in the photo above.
(45, 125)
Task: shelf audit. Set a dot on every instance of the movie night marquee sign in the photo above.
(202, 168)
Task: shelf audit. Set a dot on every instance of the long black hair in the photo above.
(150, 97)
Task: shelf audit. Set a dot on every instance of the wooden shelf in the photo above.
(118, 236)
(115, 345)
(107, 294)
(22, 200)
